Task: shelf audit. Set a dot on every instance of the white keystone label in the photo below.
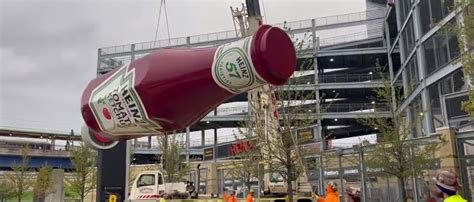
(232, 68)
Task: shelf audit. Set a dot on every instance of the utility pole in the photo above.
(247, 20)
(254, 18)
(363, 175)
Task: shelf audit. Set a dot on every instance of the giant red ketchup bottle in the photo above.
(171, 89)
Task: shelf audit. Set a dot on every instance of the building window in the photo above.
(408, 35)
(416, 117)
(396, 62)
(453, 45)
(432, 11)
(458, 81)
(450, 84)
(392, 26)
(441, 48)
(412, 74)
(446, 86)
(435, 104)
(405, 7)
(399, 91)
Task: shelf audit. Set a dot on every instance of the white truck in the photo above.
(152, 185)
(275, 185)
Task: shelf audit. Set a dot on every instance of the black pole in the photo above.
(253, 8)
(111, 173)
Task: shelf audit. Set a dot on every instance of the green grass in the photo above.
(28, 196)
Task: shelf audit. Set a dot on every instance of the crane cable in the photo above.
(162, 4)
(265, 18)
(158, 22)
(166, 18)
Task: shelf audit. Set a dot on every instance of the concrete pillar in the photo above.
(212, 179)
(57, 192)
(53, 144)
(188, 144)
(215, 136)
(149, 142)
(215, 144)
(447, 153)
(203, 138)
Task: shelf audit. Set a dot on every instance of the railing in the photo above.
(217, 36)
(325, 108)
(355, 107)
(226, 35)
(370, 34)
(35, 152)
(229, 111)
(181, 41)
(302, 80)
(348, 78)
(335, 19)
(193, 143)
(160, 43)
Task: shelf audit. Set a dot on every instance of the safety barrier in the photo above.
(297, 199)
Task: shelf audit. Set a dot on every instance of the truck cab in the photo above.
(276, 184)
(152, 185)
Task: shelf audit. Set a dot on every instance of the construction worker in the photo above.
(232, 197)
(353, 194)
(250, 196)
(331, 194)
(163, 197)
(447, 186)
(225, 196)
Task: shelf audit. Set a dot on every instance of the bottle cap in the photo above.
(273, 54)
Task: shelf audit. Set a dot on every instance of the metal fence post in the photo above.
(363, 174)
(341, 175)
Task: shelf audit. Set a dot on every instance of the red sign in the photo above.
(241, 147)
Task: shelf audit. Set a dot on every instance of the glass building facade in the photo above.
(426, 63)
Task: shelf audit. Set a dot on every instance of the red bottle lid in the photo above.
(273, 54)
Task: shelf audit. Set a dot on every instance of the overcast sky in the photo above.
(48, 48)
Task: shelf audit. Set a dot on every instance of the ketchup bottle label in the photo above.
(232, 68)
(116, 106)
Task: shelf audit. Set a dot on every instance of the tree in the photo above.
(18, 179)
(44, 183)
(396, 154)
(277, 116)
(465, 33)
(246, 167)
(5, 190)
(83, 181)
(171, 159)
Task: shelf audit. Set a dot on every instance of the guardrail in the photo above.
(193, 143)
(35, 152)
(346, 78)
(369, 34)
(229, 111)
(355, 107)
(335, 19)
(302, 80)
(325, 108)
(231, 34)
